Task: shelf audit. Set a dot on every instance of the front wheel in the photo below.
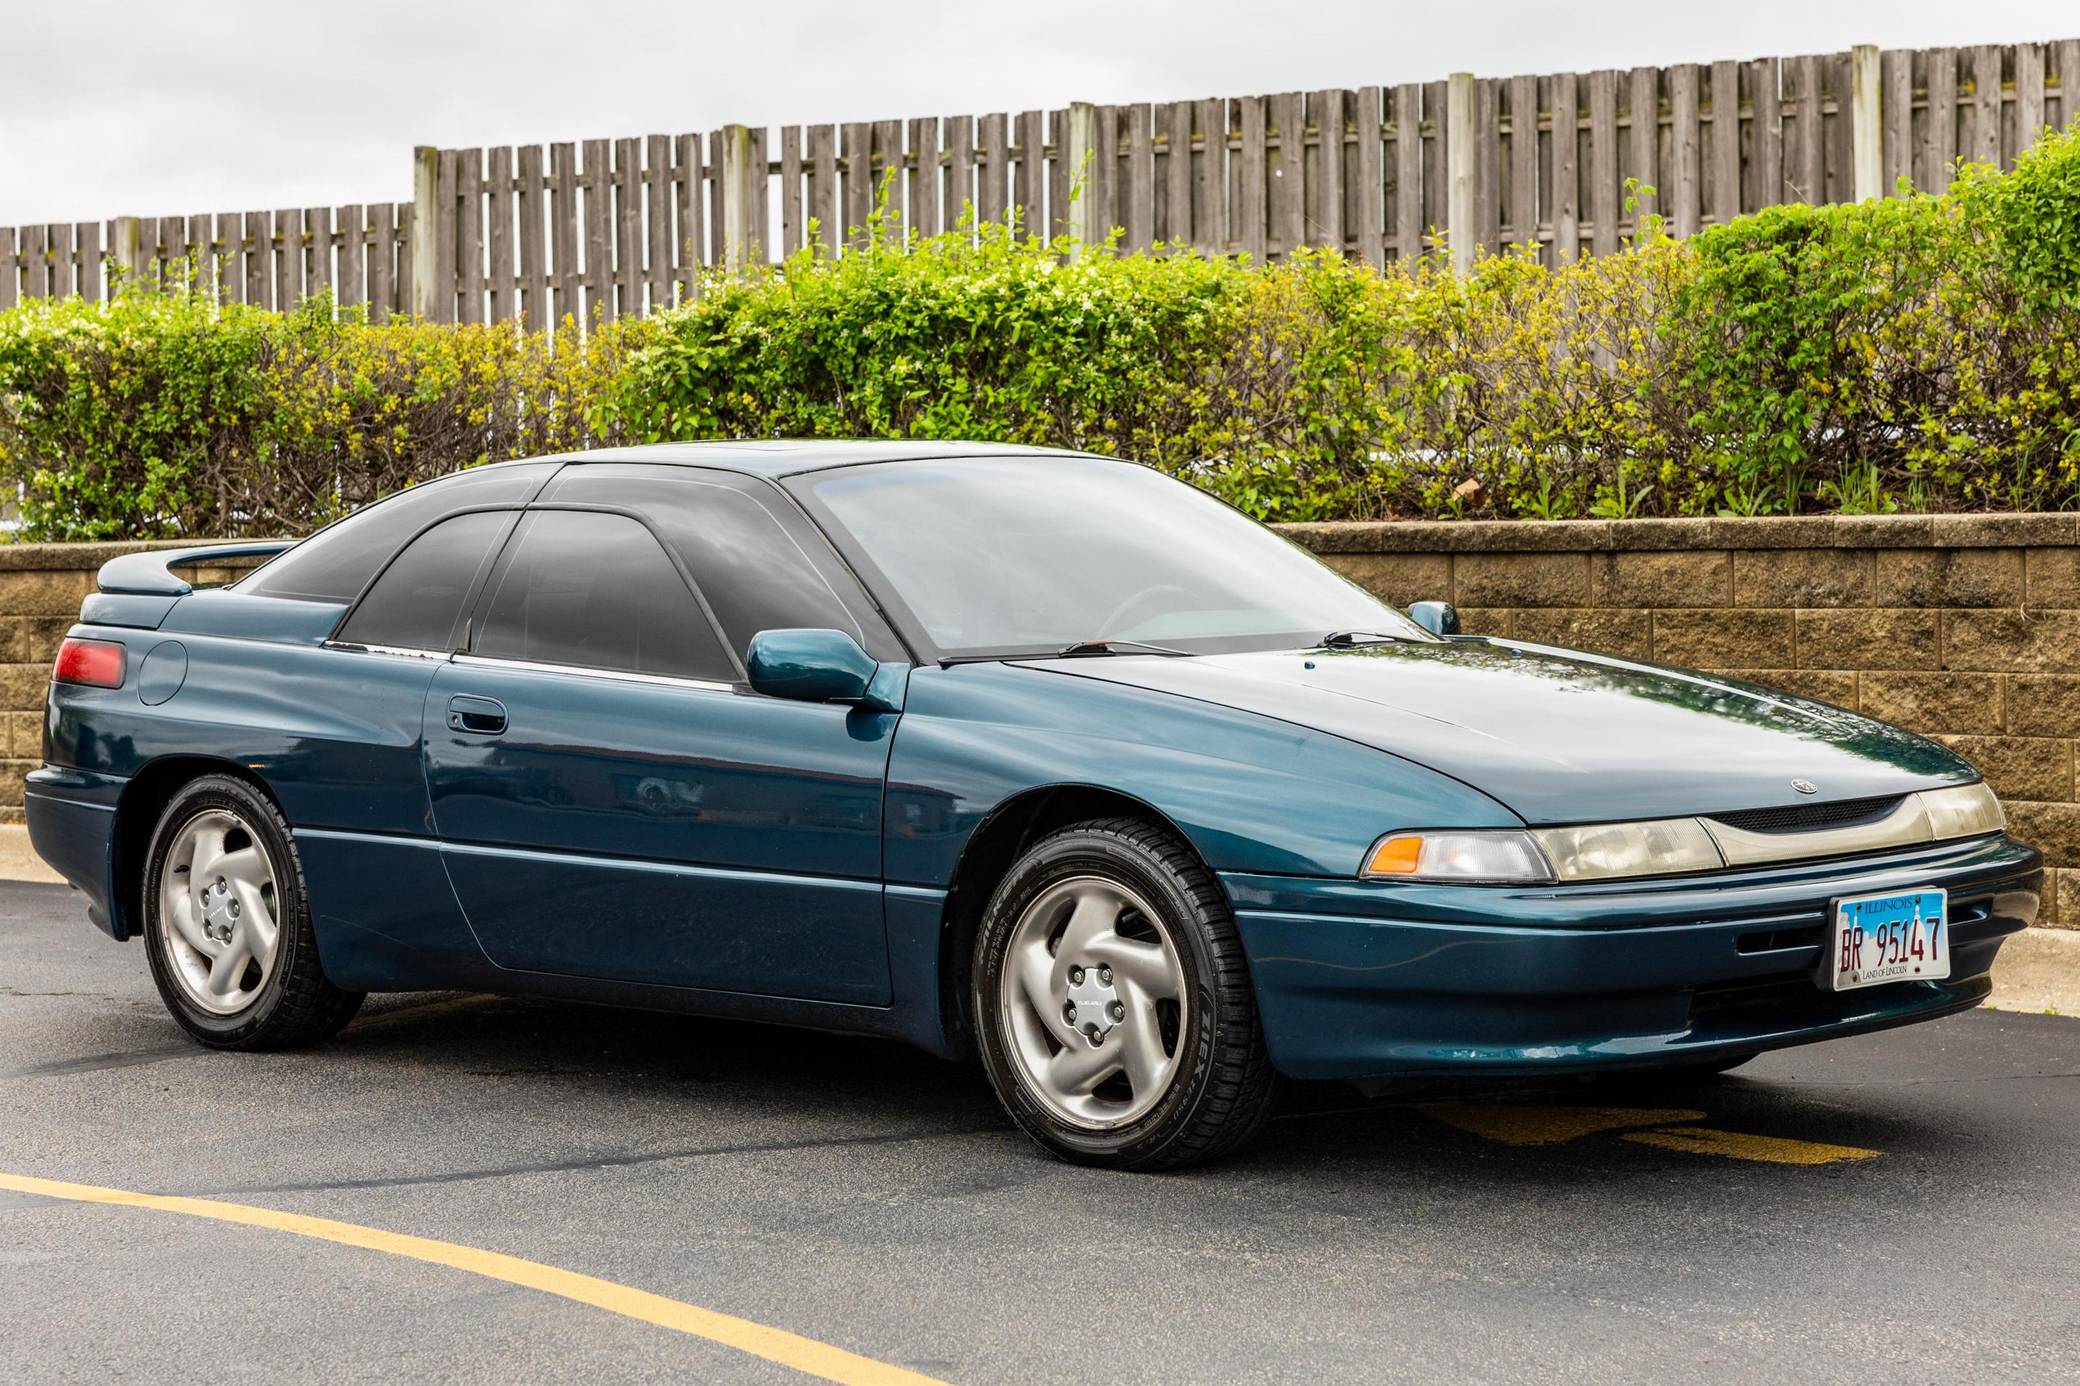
(1114, 1005)
(227, 924)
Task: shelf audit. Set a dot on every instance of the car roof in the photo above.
(778, 457)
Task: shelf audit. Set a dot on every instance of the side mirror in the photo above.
(1439, 618)
(822, 666)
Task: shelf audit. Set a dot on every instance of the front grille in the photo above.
(1770, 1001)
(1806, 818)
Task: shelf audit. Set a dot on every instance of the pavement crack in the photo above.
(618, 1161)
(95, 1063)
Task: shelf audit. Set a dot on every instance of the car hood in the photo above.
(1555, 735)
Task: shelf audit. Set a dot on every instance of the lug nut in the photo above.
(1075, 976)
(1105, 975)
(1119, 1012)
(1069, 1012)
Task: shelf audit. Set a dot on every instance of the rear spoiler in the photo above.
(149, 574)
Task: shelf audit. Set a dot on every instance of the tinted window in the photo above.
(596, 590)
(995, 555)
(417, 603)
(758, 569)
(334, 564)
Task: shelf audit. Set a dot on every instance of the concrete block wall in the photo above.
(41, 587)
(1963, 627)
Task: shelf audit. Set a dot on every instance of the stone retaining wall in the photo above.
(1964, 627)
(41, 587)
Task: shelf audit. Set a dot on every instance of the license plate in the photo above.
(1888, 938)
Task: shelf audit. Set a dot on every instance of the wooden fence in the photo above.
(1555, 162)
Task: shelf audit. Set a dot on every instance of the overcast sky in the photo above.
(156, 108)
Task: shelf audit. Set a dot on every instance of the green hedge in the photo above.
(1917, 353)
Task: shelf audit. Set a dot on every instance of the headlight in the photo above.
(1964, 810)
(1601, 851)
(1463, 855)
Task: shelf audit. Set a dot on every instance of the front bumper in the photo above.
(1359, 980)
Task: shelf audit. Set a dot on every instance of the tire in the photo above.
(222, 865)
(1181, 1079)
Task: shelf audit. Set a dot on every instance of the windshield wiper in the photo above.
(1344, 639)
(1106, 647)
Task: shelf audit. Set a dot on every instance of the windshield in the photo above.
(1028, 555)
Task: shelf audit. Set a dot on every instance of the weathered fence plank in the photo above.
(469, 235)
(1252, 171)
(1686, 201)
(1940, 148)
(993, 189)
(1522, 153)
(383, 254)
(628, 225)
(1567, 186)
(1604, 199)
(1140, 202)
(1368, 177)
(596, 182)
(563, 231)
(501, 276)
(922, 175)
(530, 199)
(1030, 194)
(1408, 171)
(961, 193)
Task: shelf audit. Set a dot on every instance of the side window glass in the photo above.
(417, 603)
(756, 572)
(334, 564)
(596, 591)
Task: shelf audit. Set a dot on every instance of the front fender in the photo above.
(1251, 793)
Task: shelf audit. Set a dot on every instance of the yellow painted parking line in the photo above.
(1735, 1145)
(773, 1344)
(1531, 1125)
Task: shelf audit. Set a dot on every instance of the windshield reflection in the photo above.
(987, 557)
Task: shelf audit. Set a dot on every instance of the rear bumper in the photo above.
(72, 815)
(1359, 980)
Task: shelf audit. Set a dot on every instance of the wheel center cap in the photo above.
(1093, 1004)
(218, 913)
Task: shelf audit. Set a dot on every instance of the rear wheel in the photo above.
(1113, 1003)
(227, 924)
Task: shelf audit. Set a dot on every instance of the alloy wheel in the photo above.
(1093, 1000)
(218, 912)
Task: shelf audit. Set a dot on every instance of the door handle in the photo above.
(478, 716)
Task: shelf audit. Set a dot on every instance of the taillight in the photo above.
(96, 663)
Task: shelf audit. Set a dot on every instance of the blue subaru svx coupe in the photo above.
(1038, 756)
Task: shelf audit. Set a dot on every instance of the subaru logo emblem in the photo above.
(1805, 786)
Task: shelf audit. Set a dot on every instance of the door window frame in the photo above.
(870, 619)
(479, 607)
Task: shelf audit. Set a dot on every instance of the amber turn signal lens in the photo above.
(1396, 856)
(95, 663)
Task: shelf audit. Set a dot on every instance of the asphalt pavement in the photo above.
(1903, 1207)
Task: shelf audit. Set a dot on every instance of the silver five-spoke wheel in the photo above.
(1093, 999)
(218, 902)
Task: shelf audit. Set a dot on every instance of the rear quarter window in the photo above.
(417, 603)
(337, 562)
